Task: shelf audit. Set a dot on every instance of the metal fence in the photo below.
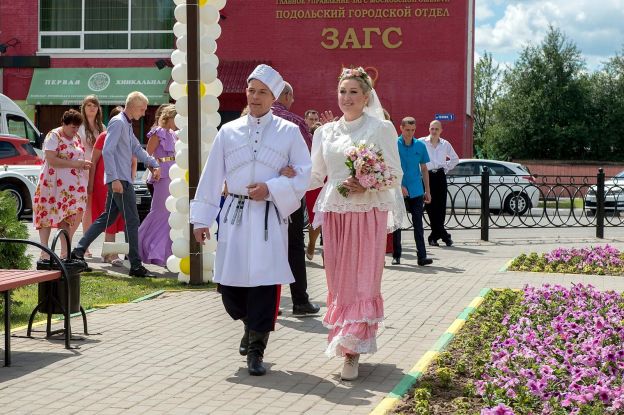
(508, 201)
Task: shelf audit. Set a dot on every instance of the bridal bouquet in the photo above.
(366, 163)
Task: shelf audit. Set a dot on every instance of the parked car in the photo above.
(15, 150)
(21, 183)
(614, 197)
(511, 186)
(14, 122)
(143, 195)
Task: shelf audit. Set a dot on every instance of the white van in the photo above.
(13, 121)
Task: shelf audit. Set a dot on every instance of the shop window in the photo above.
(106, 25)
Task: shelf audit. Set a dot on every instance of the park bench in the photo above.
(15, 278)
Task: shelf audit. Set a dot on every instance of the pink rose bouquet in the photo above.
(366, 163)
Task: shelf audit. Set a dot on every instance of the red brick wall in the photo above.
(570, 168)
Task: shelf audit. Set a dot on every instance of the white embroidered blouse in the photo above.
(328, 162)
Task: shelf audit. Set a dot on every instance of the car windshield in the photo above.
(525, 168)
(620, 175)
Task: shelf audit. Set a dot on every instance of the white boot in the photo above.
(350, 367)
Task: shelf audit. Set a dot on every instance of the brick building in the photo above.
(419, 52)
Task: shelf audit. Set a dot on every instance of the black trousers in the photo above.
(257, 305)
(436, 210)
(415, 206)
(296, 257)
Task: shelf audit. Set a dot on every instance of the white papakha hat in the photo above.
(270, 77)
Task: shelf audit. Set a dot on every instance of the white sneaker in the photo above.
(350, 367)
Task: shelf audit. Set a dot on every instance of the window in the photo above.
(106, 25)
(7, 150)
(20, 127)
(498, 169)
(464, 169)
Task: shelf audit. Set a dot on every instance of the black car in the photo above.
(143, 196)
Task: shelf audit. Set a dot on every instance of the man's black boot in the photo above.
(244, 344)
(257, 344)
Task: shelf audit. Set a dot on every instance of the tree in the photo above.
(486, 92)
(542, 113)
(607, 97)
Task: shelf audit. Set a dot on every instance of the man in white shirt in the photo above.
(252, 250)
(442, 158)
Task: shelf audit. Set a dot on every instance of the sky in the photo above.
(504, 27)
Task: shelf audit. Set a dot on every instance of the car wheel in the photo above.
(15, 192)
(517, 204)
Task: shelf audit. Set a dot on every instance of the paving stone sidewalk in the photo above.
(177, 354)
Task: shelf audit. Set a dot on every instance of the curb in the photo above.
(389, 403)
(505, 267)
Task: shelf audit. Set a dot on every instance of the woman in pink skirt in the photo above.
(355, 226)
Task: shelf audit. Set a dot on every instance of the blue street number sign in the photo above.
(445, 117)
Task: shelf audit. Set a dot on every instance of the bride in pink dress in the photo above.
(354, 227)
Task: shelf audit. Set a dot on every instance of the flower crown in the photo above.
(358, 72)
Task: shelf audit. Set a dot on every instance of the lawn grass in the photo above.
(97, 289)
(564, 203)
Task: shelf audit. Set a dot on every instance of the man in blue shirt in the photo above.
(120, 145)
(414, 159)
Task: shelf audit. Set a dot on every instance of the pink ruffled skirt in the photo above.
(353, 247)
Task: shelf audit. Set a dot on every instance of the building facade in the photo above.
(419, 52)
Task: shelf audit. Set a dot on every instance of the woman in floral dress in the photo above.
(61, 195)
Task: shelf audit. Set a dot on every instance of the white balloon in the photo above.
(170, 202)
(180, 13)
(179, 29)
(181, 121)
(181, 106)
(182, 160)
(214, 119)
(210, 244)
(186, 233)
(185, 278)
(177, 90)
(178, 73)
(179, 1)
(209, 103)
(208, 134)
(217, 4)
(180, 247)
(208, 59)
(182, 205)
(213, 31)
(177, 221)
(177, 56)
(208, 259)
(173, 263)
(175, 172)
(207, 276)
(178, 188)
(208, 15)
(208, 44)
(181, 43)
(182, 134)
(180, 146)
(214, 88)
(208, 73)
(175, 234)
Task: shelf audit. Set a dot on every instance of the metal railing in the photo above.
(489, 201)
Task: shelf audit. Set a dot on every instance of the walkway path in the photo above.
(177, 354)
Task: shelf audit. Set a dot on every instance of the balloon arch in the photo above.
(200, 18)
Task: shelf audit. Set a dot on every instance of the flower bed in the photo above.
(549, 350)
(600, 260)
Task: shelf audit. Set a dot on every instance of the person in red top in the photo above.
(98, 191)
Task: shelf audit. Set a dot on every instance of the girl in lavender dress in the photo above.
(154, 240)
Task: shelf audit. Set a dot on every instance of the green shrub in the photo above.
(12, 256)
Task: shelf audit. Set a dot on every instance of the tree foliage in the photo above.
(547, 106)
(486, 92)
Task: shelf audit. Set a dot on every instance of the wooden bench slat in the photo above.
(11, 279)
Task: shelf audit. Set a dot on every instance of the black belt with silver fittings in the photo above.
(238, 212)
